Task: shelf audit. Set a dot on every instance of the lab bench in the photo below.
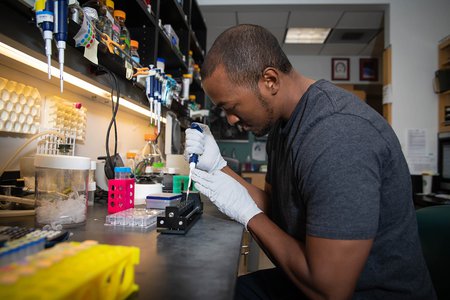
(203, 264)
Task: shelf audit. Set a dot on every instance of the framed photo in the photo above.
(340, 69)
(368, 69)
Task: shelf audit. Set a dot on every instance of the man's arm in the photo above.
(322, 268)
(260, 197)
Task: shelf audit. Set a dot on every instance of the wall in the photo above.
(131, 127)
(319, 67)
(413, 28)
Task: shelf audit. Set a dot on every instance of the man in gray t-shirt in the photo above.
(337, 172)
(336, 216)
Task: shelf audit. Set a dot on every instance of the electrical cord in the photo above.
(111, 162)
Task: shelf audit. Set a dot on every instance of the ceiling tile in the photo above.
(321, 19)
(279, 33)
(220, 19)
(361, 20)
(342, 49)
(375, 47)
(265, 19)
(302, 49)
(351, 36)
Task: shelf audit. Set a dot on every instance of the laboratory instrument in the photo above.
(60, 30)
(180, 218)
(45, 21)
(193, 160)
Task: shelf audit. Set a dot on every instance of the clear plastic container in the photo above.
(61, 190)
(122, 173)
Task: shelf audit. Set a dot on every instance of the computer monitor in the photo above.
(444, 162)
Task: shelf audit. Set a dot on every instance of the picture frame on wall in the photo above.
(340, 69)
(368, 69)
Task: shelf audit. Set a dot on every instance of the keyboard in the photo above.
(442, 196)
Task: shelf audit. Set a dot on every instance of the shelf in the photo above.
(143, 26)
(174, 60)
(444, 44)
(445, 65)
(172, 13)
(137, 10)
(197, 50)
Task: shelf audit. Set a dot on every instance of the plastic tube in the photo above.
(2, 169)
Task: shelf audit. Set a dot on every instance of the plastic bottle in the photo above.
(197, 72)
(131, 161)
(187, 79)
(115, 27)
(134, 45)
(191, 64)
(120, 16)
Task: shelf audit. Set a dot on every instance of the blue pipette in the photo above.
(193, 160)
(61, 9)
(45, 20)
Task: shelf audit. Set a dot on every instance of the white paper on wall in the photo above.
(259, 151)
(387, 94)
(417, 155)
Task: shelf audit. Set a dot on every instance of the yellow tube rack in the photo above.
(72, 271)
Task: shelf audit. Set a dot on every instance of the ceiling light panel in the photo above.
(306, 35)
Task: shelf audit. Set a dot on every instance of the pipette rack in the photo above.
(73, 271)
(179, 219)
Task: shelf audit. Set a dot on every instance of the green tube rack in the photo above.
(72, 271)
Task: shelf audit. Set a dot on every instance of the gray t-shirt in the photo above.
(337, 171)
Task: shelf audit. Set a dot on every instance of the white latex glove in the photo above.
(204, 144)
(227, 194)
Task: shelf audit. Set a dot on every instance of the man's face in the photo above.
(242, 105)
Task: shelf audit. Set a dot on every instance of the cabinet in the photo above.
(444, 98)
(145, 25)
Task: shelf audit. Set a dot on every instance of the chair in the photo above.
(434, 232)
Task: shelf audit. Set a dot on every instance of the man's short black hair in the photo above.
(245, 51)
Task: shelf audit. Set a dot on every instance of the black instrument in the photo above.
(179, 219)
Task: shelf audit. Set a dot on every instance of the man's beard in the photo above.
(269, 122)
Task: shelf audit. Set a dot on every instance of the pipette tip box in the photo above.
(162, 200)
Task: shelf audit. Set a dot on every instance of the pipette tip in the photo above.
(49, 64)
(61, 78)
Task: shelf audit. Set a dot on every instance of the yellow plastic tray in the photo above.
(73, 271)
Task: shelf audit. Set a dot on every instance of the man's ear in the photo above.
(271, 80)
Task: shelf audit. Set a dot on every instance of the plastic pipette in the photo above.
(61, 8)
(193, 160)
(45, 20)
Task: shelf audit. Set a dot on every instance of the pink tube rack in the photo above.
(120, 195)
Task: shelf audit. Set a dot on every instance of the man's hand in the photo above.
(206, 147)
(227, 194)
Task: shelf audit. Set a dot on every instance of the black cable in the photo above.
(114, 108)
